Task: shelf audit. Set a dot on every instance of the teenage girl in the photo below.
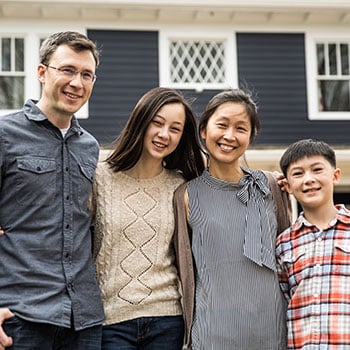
(132, 205)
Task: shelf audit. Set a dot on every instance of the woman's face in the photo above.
(164, 132)
(227, 134)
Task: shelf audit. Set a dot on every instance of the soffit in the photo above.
(296, 12)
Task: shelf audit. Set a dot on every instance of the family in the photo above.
(172, 242)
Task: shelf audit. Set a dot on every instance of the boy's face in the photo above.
(311, 180)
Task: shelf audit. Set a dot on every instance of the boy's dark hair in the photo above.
(306, 148)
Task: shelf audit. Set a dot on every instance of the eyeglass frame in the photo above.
(73, 73)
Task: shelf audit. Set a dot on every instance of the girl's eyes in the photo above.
(160, 124)
(176, 129)
(156, 122)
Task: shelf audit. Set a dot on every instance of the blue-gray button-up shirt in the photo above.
(46, 268)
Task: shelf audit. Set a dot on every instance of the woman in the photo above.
(134, 223)
(236, 302)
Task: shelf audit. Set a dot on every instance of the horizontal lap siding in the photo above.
(273, 66)
(128, 68)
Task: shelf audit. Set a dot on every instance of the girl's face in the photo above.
(227, 134)
(164, 132)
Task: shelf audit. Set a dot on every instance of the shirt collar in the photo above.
(33, 112)
(343, 215)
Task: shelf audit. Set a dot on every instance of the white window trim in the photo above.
(311, 37)
(31, 60)
(228, 36)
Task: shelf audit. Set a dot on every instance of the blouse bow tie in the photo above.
(257, 227)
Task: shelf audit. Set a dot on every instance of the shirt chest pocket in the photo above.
(341, 254)
(35, 180)
(297, 264)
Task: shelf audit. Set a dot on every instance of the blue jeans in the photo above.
(145, 333)
(42, 336)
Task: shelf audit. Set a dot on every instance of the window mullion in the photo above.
(338, 56)
(326, 59)
(12, 55)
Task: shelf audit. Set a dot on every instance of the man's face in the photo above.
(64, 94)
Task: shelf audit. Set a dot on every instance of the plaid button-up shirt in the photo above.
(314, 273)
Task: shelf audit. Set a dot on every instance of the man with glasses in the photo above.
(49, 297)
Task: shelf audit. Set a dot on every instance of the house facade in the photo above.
(293, 56)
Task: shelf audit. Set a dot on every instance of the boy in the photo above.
(313, 255)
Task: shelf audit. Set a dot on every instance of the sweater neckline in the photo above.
(150, 180)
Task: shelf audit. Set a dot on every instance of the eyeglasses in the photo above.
(71, 73)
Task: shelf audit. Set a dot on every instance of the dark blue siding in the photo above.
(273, 66)
(128, 68)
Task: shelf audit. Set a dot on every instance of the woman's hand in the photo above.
(281, 180)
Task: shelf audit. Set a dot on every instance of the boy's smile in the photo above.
(311, 180)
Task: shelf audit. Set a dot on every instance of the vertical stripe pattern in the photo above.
(238, 303)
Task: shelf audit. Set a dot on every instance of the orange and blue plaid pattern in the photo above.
(314, 273)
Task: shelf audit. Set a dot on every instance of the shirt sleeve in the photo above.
(282, 272)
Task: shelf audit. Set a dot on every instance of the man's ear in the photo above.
(41, 73)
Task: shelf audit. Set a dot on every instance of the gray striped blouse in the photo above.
(238, 303)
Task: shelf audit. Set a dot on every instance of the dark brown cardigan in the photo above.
(183, 252)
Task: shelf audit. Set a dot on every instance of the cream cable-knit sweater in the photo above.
(133, 244)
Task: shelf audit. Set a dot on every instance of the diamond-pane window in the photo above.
(197, 62)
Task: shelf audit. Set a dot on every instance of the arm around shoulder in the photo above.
(282, 201)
